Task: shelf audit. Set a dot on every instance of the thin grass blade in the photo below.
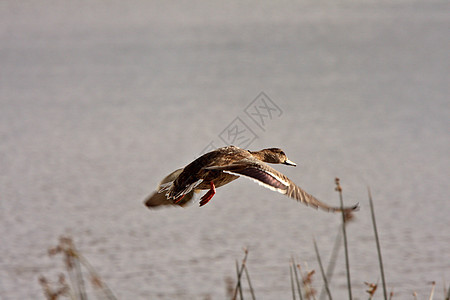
(377, 240)
(297, 280)
(252, 292)
(239, 275)
(79, 277)
(344, 233)
(96, 280)
(238, 283)
(292, 281)
(332, 261)
(324, 277)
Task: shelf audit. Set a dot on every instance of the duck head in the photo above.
(273, 156)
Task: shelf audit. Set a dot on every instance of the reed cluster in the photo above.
(301, 286)
(300, 280)
(74, 263)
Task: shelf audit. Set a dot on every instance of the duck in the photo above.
(224, 165)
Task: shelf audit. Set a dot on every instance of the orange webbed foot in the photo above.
(208, 196)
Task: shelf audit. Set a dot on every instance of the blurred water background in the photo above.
(100, 100)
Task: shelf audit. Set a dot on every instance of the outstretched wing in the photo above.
(270, 178)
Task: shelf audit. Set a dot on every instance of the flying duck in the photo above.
(223, 165)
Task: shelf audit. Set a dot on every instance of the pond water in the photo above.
(99, 103)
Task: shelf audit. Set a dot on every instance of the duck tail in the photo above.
(156, 200)
(159, 198)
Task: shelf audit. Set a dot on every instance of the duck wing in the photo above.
(270, 178)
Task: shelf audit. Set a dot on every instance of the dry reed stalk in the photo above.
(239, 272)
(299, 290)
(67, 248)
(347, 263)
(238, 284)
(332, 261)
(433, 285)
(73, 261)
(292, 281)
(324, 277)
(377, 240)
(252, 292)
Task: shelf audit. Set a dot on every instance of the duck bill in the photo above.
(289, 163)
